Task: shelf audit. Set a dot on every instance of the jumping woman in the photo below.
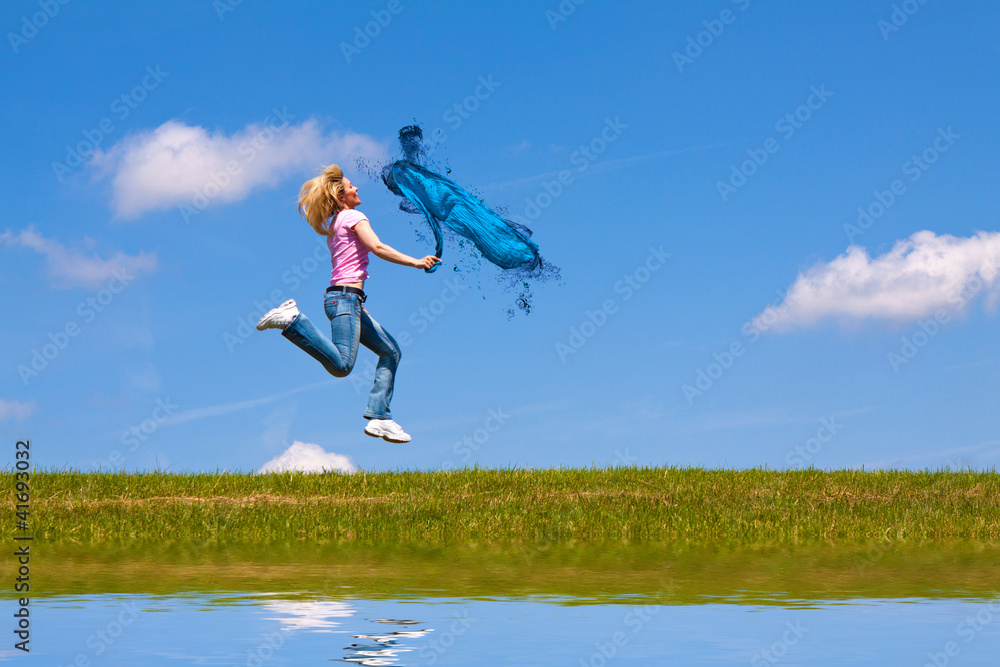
(329, 203)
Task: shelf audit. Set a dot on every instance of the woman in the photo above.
(328, 202)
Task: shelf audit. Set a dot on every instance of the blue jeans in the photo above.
(349, 325)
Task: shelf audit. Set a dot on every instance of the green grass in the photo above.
(650, 506)
(621, 534)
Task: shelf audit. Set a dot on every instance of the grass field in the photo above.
(664, 506)
(614, 534)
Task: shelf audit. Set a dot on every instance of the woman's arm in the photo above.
(367, 236)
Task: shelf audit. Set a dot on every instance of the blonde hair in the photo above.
(319, 198)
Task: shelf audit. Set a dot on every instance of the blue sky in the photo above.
(695, 169)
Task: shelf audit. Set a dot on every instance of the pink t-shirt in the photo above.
(348, 254)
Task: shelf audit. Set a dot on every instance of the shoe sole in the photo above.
(385, 436)
(264, 325)
(288, 305)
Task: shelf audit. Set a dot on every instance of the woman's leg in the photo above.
(376, 339)
(336, 355)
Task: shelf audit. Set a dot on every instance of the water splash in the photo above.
(448, 207)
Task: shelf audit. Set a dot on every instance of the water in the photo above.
(532, 604)
(447, 206)
(287, 629)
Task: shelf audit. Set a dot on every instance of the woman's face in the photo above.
(350, 197)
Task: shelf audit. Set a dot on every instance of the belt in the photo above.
(348, 289)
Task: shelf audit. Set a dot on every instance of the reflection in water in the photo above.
(312, 616)
(376, 648)
(384, 648)
(240, 629)
(598, 573)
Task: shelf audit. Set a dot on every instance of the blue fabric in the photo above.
(350, 324)
(443, 202)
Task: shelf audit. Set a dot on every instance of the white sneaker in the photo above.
(279, 317)
(387, 430)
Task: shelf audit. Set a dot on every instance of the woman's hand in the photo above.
(427, 262)
(368, 237)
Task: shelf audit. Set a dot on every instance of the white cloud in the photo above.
(72, 268)
(178, 164)
(307, 457)
(916, 278)
(16, 410)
